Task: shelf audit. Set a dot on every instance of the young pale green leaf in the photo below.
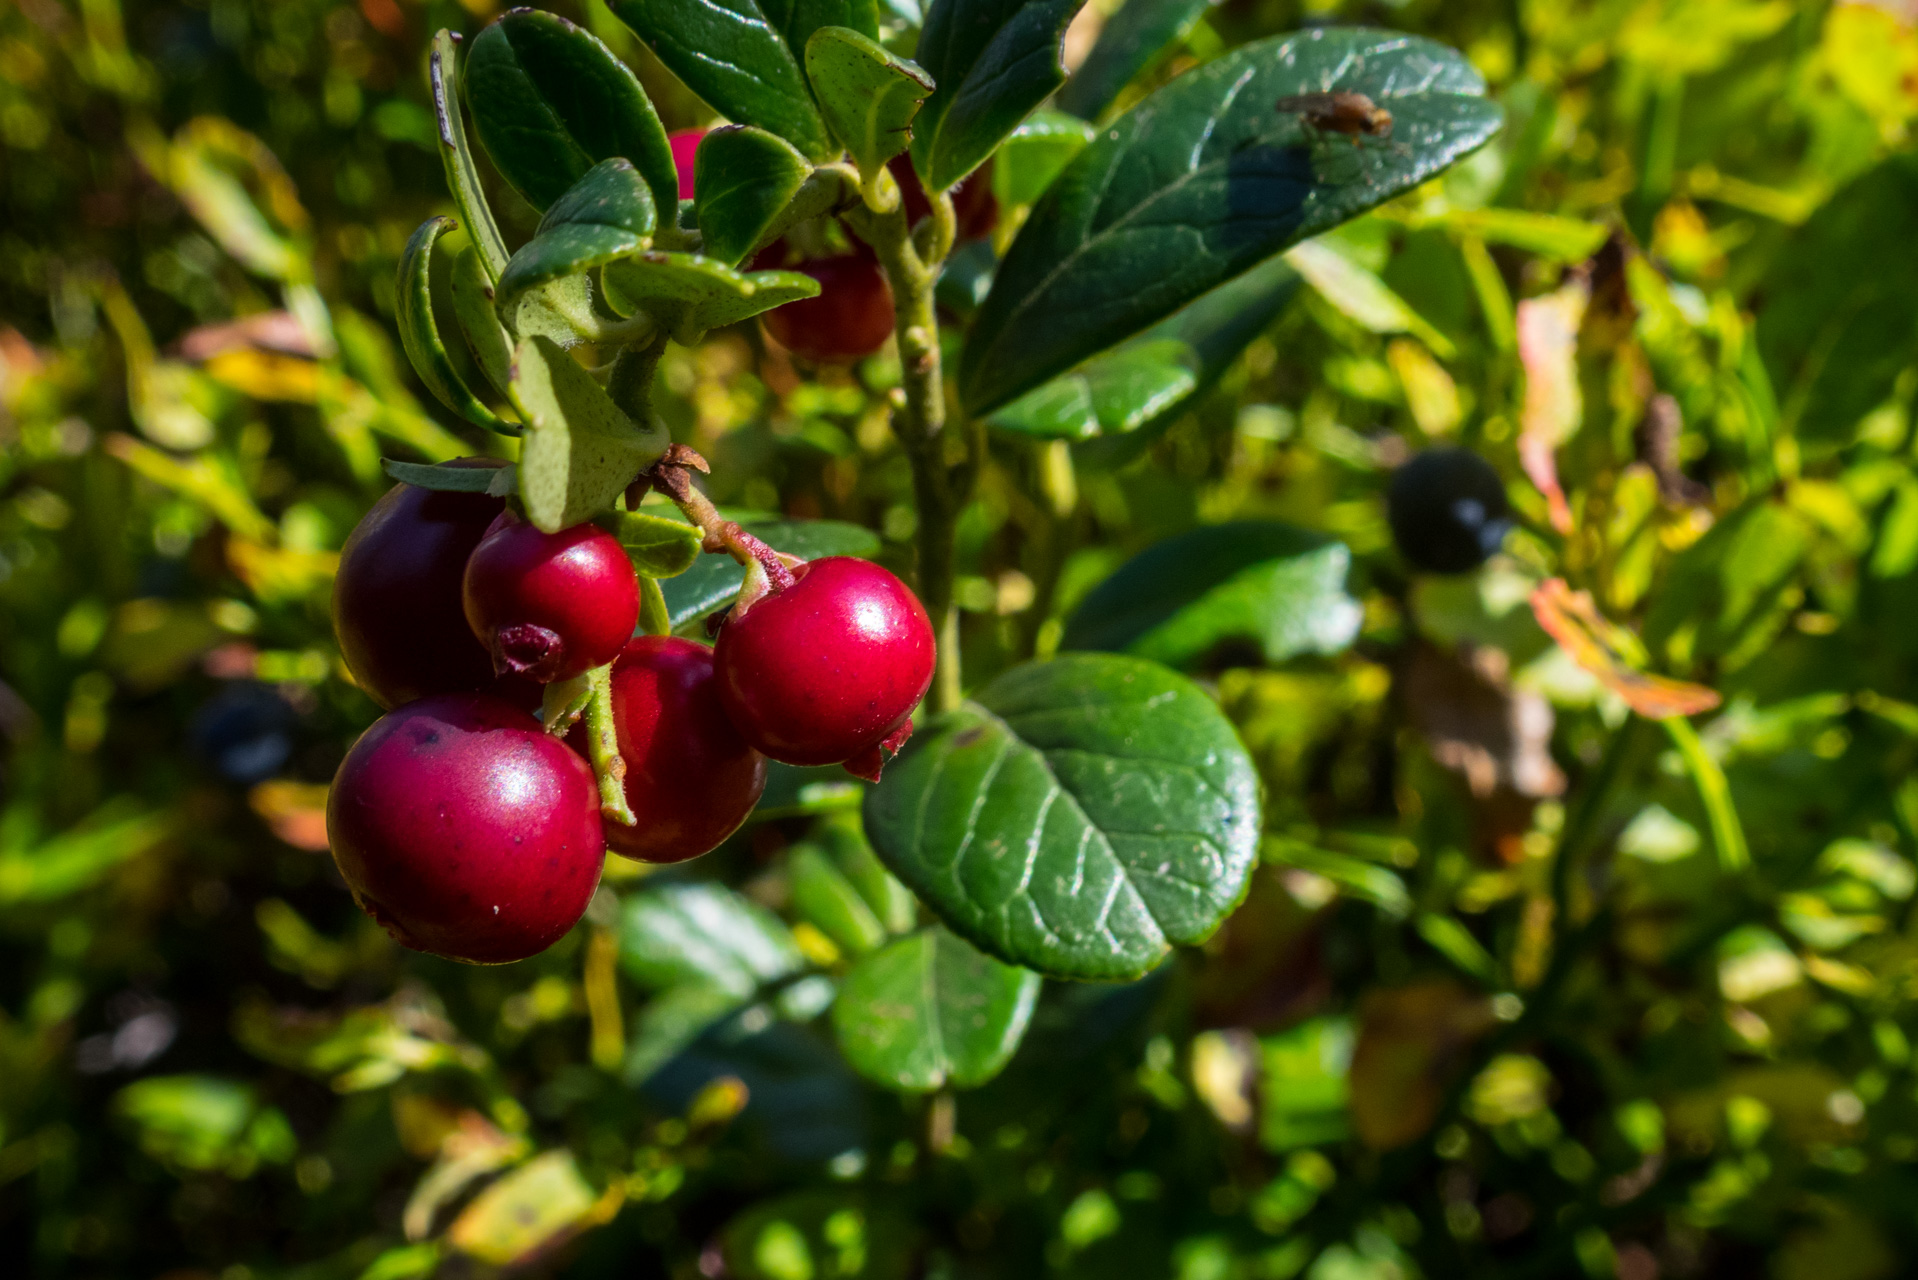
(1205, 179)
(705, 934)
(732, 54)
(686, 294)
(657, 546)
(580, 452)
(868, 95)
(1276, 585)
(462, 174)
(993, 62)
(744, 177)
(478, 318)
(550, 101)
(444, 479)
(824, 898)
(1034, 154)
(1131, 40)
(930, 1012)
(1079, 817)
(713, 581)
(1116, 404)
(420, 334)
(607, 214)
(1360, 296)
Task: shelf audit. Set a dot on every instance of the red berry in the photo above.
(975, 209)
(685, 145)
(396, 598)
(849, 319)
(690, 778)
(550, 606)
(465, 830)
(828, 668)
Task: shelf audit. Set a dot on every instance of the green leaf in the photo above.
(713, 581)
(420, 334)
(707, 934)
(1036, 153)
(1303, 1094)
(1545, 234)
(687, 294)
(580, 452)
(206, 1123)
(868, 95)
(657, 546)
(672, 1020)
(1131, 40)
(831, 1235)
(1112, 394)
(735, 56)
(993, 62)
(829, 902)
(1279, 586)
(1725, 597)
(851, 853)
(1080, 817)
(1455, 942)
(1204, 180)
(530, 1208)
(550, 101)
(83, 855)
(478, 318)
(744, 178)
(1360, 296)
(1380, 886)
(444, 479)
(462, 174)
(930, 1012)
(607, 214)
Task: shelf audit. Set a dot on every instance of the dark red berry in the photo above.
(685, 145)
(396, 598)
(691, 779)
(550, 606)
(465, 830)
(975, 209)
(849, 319)
(828, 668)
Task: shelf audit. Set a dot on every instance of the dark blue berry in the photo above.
(1448, 511)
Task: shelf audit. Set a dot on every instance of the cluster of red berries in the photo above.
(468, 830)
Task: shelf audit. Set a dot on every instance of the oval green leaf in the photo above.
(1202, 181)
(657, 546)
(744, 177)
(605, 215)
(420, 334)
(580, 452)
(929, 1012)
(868, 95)
(1131, 40)
(549, 102)
(994, 61)
(1080, 817)
(823, 897)
(1034, 154)
(687, 294)
(1276, 585)
(462, 174)
(703, 934)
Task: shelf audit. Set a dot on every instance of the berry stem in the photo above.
(940, 487)
(602, 744)
(672, 476)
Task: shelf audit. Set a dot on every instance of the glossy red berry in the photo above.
(975, 209)
(691, 779)
(396, 597)
(849, 319)
(550, 606)
(828, 668)
(685, 145)
(465, 830)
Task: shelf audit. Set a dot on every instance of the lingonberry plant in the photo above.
(1077, 817)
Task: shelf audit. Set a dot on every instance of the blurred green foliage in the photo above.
(1529, 984)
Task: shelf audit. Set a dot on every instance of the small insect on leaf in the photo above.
(1352, 114)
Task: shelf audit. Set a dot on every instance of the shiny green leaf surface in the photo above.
(930, 1011)
(549, 102)
(1131, 40)
(607, 214)
(868, 95)
(443, 479)
(420, 334)
(1277, 586)
(1205, 179)
(993, 62)
(657, 546)
(824, 898)
(580, 452)
(1079, 817)
(701, 933)
(1034, 154)
(744, 178)
(714, 580)
(735, 55)
(687, 294)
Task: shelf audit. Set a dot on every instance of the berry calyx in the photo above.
(691, 779)
(465, 830)
(975, 209)
(1448, 511)
(828, 668)
(849, 319)
(685, 146)
(550, 606)
(396, 598)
